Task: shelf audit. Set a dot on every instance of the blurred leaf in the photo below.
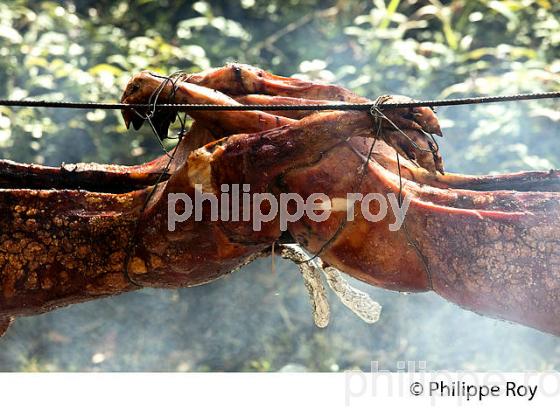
(105, 68)
(506, 9)
(391, 9)
(11, 34)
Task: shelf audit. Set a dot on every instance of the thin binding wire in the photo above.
(282, 107)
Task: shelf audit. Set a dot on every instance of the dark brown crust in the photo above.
(90, 177)
(62, 247)
(473, 240)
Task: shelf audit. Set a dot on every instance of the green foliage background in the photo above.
(256, 319)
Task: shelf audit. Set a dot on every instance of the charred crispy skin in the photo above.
(489, 243)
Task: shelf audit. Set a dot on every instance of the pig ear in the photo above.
(131, 117)
(137, 122)
(127, 117)
(162, 120)
(5, 323)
